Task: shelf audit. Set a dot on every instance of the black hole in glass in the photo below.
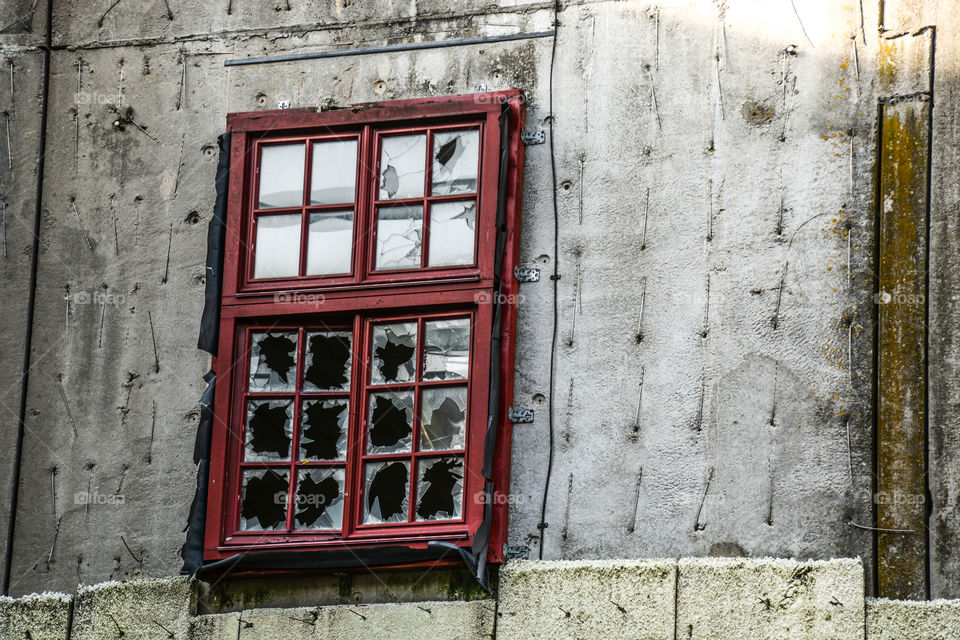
(267, 430)
(393, 355)
(263, 499)
(389, 423)
(389, 486)
(277, 354)
(440, 496)
(313, 498)
(323, 431)
(328, 370)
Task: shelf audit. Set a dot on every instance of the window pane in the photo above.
(334, 172)
(323, 425)
(273, 361)
(440, 489)
(278, 246)
(443, 418)
(394, 351)
(451, 233)
(446, 352)
(264, 500)
(281, 176)
(399, 237)
(328, 361)
(390, 424)
(402, 164)
(387, 498)
(456, 156)
(329, 243)
(269, 429)
(319, 499)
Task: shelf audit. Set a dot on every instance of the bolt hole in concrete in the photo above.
(539, 399)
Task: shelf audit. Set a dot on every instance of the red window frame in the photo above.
(366, 296)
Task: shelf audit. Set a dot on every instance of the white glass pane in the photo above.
(452, 235)
(440, 489)
(281, 176)
(456, 156)
(278, 246)
(402, 165)
(446, 352)
(263, 501)
(334, 172)
(386, 498)
(319, 499)
(329, 243)
(443, 418)
(399, 237)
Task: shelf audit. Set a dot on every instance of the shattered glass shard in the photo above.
(456, 158)
(394, 346)
(328, 361)
(320, 499)
(324, 430)
(269, 430)
(399, 237)
(446, 351)
(440, 489)
(273, 356)
(391, 422)
(403, 164)
(264, 503)
(387, 495)
(452, 234)
(443, 414)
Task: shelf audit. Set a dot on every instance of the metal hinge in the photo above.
(520, 416)
(533, 137)
(516, 552)
(526, 275)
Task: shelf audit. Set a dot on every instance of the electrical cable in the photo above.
(556, 281)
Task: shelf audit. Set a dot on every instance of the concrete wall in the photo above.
(716, 166)
(700, 599)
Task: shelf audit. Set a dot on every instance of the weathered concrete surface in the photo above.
(587, 600)
(140, 609)
(944, 309)
(900, 620)
(44, 616)
(729, 599)
(18, 188)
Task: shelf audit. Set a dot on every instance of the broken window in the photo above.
(358, 323)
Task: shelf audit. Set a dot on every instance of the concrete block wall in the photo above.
(722, 599)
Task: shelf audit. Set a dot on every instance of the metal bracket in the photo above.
(283, 104)
(520, 416)
(533, 137)
(516, 552)
(526, 275)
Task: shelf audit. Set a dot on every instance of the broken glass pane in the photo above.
(269, 429)
(456, 157)
(402, 164)
(264, 500)
(446, 352)
(328, 361)
(394, 348)
(281, 176)
(334, 172)
(443, 418)
(324, 430)
(452, 227)
(329, 243)
(273, 361)
(390, 425)
(386, 490)
(399, 237)
(440, 489)
(320, 499)
(278, 246)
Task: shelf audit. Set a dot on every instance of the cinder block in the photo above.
(757, 599)
(140, 609)
(44, 616)
(407, 621)
(913, 620)
(602, 599)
